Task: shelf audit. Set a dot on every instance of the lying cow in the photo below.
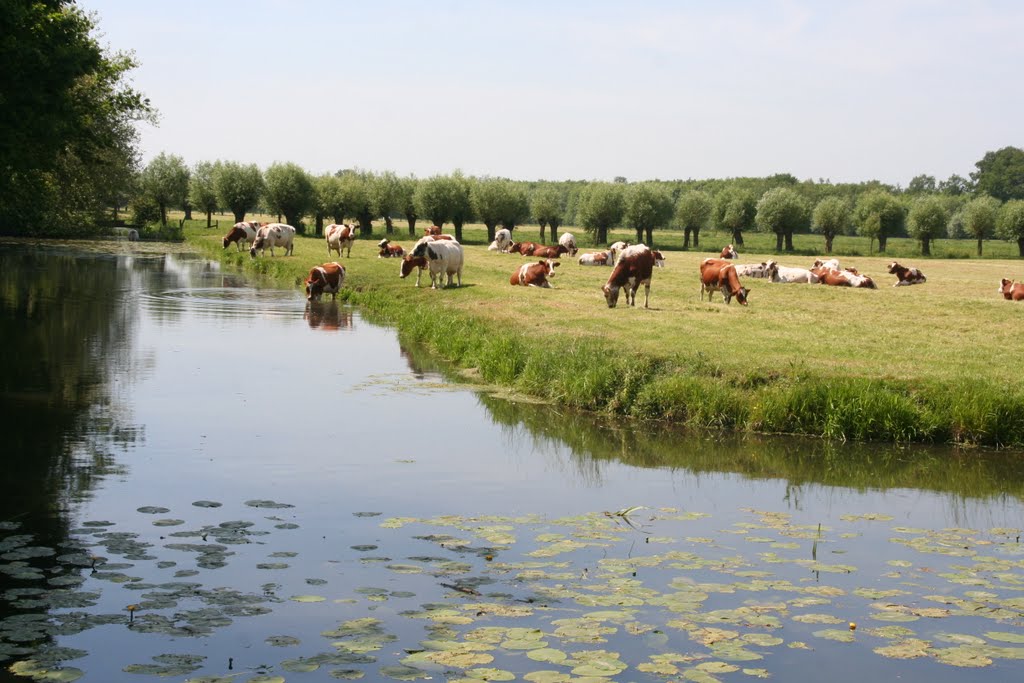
(432, 230)
(502, 241)
(524, 248)
(444, 258)
(535, 274)
(761, 270)
(325, 279)
(632, 269)
(779, 273)
(906, 276)
(550, 252)
(340, 236)
(388, 250)
(598, 258)
(615, 248)
(242, 234)
(832, 263)
(728, 253)
(1012, 291)
(720, 274)
(273, 235)
(843, 278)
(569, 242)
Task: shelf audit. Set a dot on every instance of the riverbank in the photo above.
(933, 363)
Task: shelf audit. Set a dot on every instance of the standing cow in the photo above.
(721, 274)
(443, 257)
(340, 236)
(632, 269)
(273, 235)
(569, 242)
(242, 234)
(325, 279)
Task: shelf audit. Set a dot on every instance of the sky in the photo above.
(589, 90)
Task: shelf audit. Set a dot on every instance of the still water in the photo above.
(208, 479)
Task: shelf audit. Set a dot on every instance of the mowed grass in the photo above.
(931, 362)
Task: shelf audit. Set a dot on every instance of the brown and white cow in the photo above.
(273, 235)
(832, 263)
(615, 248)
(1013, 291)
(340, 236)
(535, 274)
(524, 248)
(502, 240)
(720, 274)
(432, 230)
(444, 258)
(408, 263)
(567, 240)
(242, 234)
(632, 269)
(659, 258)
(598, 258)
(550, 252)
(843, 278)
(728, 253)
(762, 270)
(388, 250)
(906, 276)
(325, 279)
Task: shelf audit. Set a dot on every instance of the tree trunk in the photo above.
(602, 234)
(554, 232)
(319, 224)
(543, 228)
(828, 243)
(458, 231)
(188, 211)
(389, 227)
(881, 243)
(639, 235)
(1020, 245)
(239, 215)
(411, 219)
(737, 237)
(686, 238)
(209, 218)
(365, 225)
(296, 222)
(926, 246)
(163, 215)
(650, 237)
(789, 241)
(778, 241)
(491, 225)
(696, 237)
(980, 240)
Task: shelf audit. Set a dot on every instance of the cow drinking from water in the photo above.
(632, 269)
(325, 279)
(536, 274)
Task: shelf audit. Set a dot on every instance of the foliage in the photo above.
(547, 205)
(407, 200)
(165, 180)
(239, 188)
(433, 200)
(955, 186)
(327, 188)
(782, 211)
(980, 215)
(1000, 174)
(601, 207)
(879, 215)
(647, 206)
(734, 210)
(927, 220)
(1011, 220)
(459, 188)
(922, 184)
(491, 198)
(289, 191)
(356, 198)
(693, 211)
(385, 195)
(831, 217)
(201, 191)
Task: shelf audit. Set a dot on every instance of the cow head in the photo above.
(383, 243)
(226, 242)
(742, 294)
(771, 269)
(611, 294)
(314, 285)
(893, 267)
(549, 267)
(1005, 287)
(406, 266)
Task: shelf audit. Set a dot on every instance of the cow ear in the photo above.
(557, 263)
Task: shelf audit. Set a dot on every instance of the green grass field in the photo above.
(932, 362)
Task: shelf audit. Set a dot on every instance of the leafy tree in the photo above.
(406, 201)
(600, 207)
(1000, 174)
(459, 188)
(547, 204)
(782, 211)
(831, 217)
(165, 181)
(517, 208)
(1011, 223)
(879, 215)
(954, 186)
(328, 203)
(647, 206)
(356, 198)
(956, 228)
(734, 212)
(921, 184)
(289, 191)
(239, 188)
(927, 220)
(980, 215)
(201, 191)
(385, 197)
(432, 200)
(693, 212)
(490, 197)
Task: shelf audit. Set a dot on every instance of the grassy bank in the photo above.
(930, 363)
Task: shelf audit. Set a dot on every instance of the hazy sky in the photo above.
(847, 91)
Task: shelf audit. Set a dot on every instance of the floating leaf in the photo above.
(151, 510)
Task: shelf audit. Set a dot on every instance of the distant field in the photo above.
(952, 340)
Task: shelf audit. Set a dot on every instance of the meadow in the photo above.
(929, 363)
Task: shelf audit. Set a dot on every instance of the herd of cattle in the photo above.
(632, 265)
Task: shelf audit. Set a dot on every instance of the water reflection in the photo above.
(327, 316)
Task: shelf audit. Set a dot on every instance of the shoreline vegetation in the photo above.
(934, 363)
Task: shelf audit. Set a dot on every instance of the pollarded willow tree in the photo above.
(879, 215)
(290, 192)
(831, 217)
(734, 212)
(239, 188)
(385, 197)
(406, 201)
(328, 202)
(782, 211)
(1011, 223)
(547, 204)
(647, 206)
(432, 200)
(601, 206)
(201, 191)
(980, 215)
(927, 221)
(356, 199)
(490, 197)
(165, 182)
(692, 213)
(459, 189)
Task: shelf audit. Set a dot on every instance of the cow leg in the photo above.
(647, 293)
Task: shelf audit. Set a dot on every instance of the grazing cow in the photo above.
(720, 274)
(615, 248)
(535, 274)
(524, 248)
(388, 250)
(843, 278)
(762, 270)
(273, 235)
(1012, 291)
(325, 279)
(659, 258)
(779, 273)
(502, 240)
(832, 263)
(444, 258)
(408, 263)
(242, 234)
(550, 252)
(632, 269)
(906, 276)
(340, 236)
(569, 242)
(728, 253)
(599, 258)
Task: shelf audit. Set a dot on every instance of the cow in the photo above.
(659, 258)
(1011, 291)
(779, 273)
(550, 252)
(728, 253)
(340, 236)
(569, 242)
(130, 234)
(615, 248)
(524, 248)
(535, 274)
(242, 233)
(632, 269)
(843, 278)
(432, 230)
(502, 240)
(388, 250)
(720, 274)
(408, 263)
(832, 263)
(598, 258)
(444, 258)
(906, 276)
(325, 279)
(273, 235)
(761, 270)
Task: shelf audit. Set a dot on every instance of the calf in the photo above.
(524, 248)
(600, 258)
(569, 242)
(502, 240)
(550, 252)
(728, 253)
(535, 274)
(720, 274)
(242, 234)
(632, 269)
(273, 235)
(388, 250)
(340, 236)
(1012, 291)
(906, 276)
(325, 279)
(444, 258)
